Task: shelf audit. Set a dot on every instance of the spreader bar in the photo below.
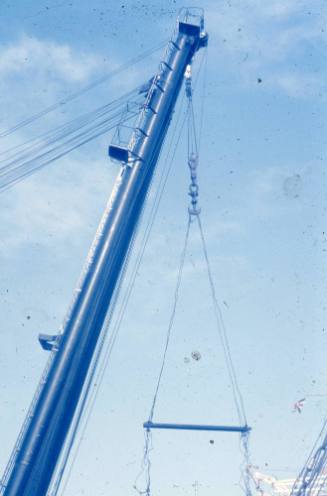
(197, 427)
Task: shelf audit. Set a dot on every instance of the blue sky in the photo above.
(263, 183)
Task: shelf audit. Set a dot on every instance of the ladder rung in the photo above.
(197, 427)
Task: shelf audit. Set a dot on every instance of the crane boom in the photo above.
(43, 438)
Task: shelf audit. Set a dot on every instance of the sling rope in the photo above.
(98, 369)
(96, 376)
(194, 212)
(146, 463)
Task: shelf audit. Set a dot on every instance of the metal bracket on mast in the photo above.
(49, 342)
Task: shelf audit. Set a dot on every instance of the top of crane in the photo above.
(190, 21)
(189, 31)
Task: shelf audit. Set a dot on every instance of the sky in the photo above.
(262, 89)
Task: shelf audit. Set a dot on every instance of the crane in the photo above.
(41, 441)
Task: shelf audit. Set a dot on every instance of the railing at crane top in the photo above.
(124, 147)
(193, 15)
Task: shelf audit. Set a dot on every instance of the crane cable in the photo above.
(81, 120)
(72, 96)
(87, 403)
(23, 160)
(194, 213)
(97, 372)
(39, 388)
(89, 394)
(146, 462)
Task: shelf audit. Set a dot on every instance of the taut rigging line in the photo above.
(82, 91)
(27, 158)
(194, 216)
(96, 377)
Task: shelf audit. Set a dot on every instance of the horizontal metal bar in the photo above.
(197, 427)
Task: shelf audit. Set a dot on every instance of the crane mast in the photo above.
(42, 440)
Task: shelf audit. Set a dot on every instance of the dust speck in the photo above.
(196, 355)
(292, 186)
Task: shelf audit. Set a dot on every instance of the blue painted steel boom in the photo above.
(44, 436)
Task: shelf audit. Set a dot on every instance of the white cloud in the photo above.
(275, 8)
(40, 57)
(256, 27)
(50, 202)
(298, 85)
(60, 203)
(279, 40)
(36, 73)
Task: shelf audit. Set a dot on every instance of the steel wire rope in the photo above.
(17, 170)
(193, 146)
(238, 399)
(87, 88)
(146, 462)
(116, 328)
(245, 484)
(146, 465)
(18, 173)
(45, 153)
(97, 357)
(102, 340)
(237, 395)
(246, 476)
(203, 96)
(172, 316)
(161, 193)
(89, 382)
(223, 333)
(244, 437)
(193, 149)
(66, 126)
(13, 178)
(28, 416)
(113, 336)
(8, 468)
(164, 178)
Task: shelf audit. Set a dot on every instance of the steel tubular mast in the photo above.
(47, 428)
